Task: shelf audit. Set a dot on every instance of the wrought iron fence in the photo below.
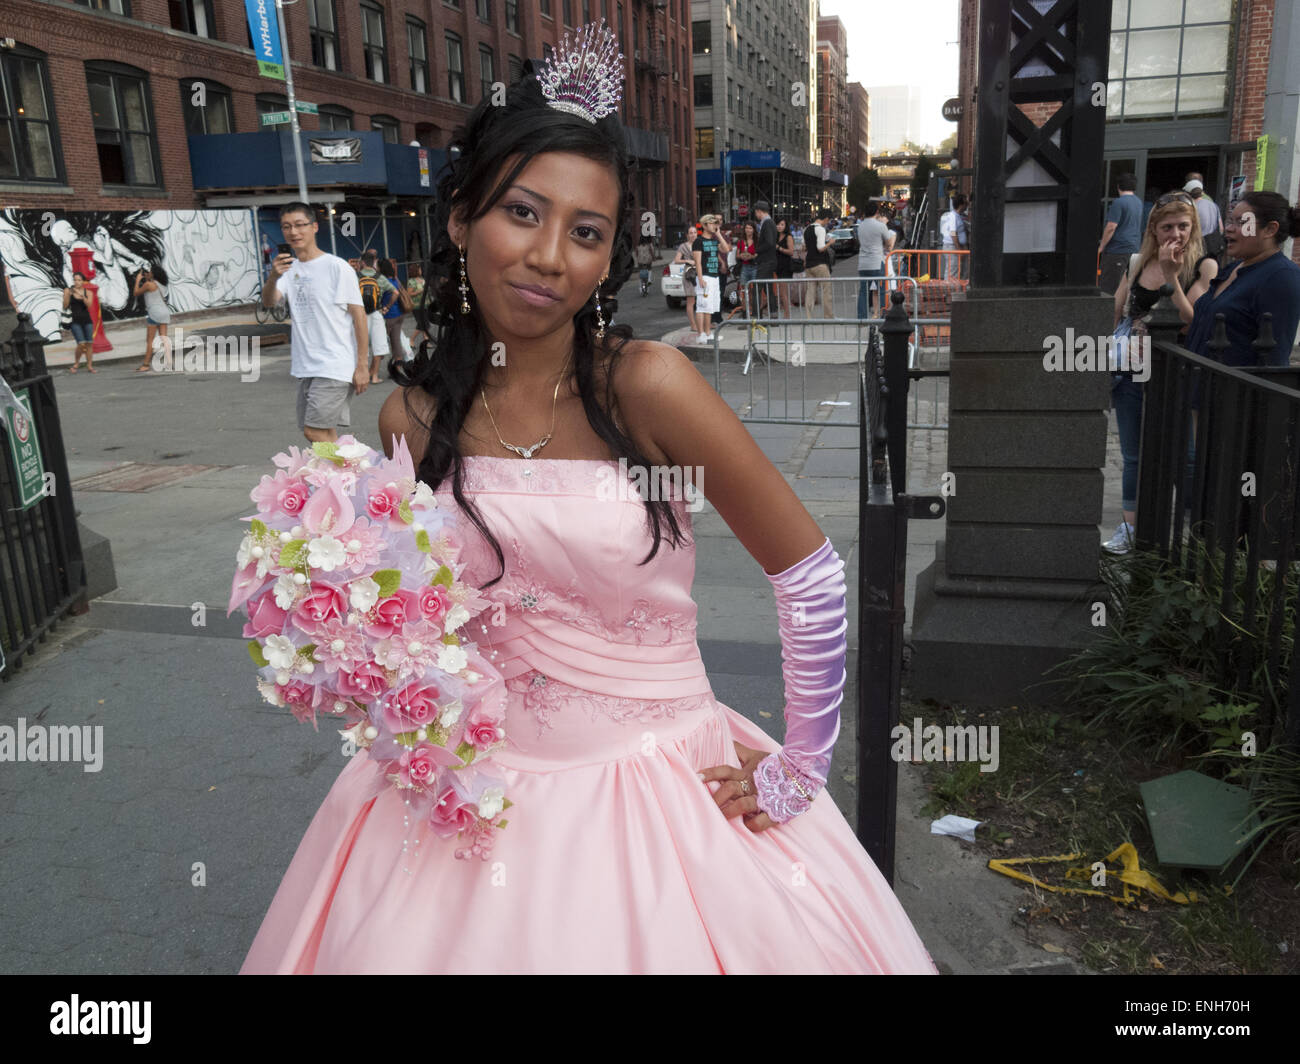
(1217, 498)
(42, 575)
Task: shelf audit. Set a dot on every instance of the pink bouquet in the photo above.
(353, 609)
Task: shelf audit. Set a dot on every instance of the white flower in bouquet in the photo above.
(363, 594)
(452, 659)
(279, 651)
(327, 553)
(491, 802)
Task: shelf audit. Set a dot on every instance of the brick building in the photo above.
(834, 122)
(100, 95)
(1186, 91)
(859, 129)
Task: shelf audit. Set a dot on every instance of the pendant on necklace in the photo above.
(528, 452)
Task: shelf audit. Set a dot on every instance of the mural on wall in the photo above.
(208, 257)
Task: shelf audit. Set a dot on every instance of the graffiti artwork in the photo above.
(208, 257)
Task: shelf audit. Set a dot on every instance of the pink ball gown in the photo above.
(616, 858)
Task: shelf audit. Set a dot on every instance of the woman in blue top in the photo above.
(1263, 280)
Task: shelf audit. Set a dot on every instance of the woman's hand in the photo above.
(1171, 260)
(736, 796)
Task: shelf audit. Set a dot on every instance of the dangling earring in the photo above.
(464, 284)
(600, 319)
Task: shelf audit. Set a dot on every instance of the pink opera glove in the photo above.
(810, 602)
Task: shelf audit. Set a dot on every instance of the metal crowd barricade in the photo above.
(797, 341)
(806, 339)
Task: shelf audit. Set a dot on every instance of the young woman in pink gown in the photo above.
(654, 829)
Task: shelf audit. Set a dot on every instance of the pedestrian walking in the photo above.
(76, 301)
(952, 231)
(395, 311)
(377, 295)
(785, 252)
(1208, 212)
(766, 260)
(685, 257)
(330, 340)
(1122, 236)
(817, 263)
(645, 257)
(150, 284)
(875, 242)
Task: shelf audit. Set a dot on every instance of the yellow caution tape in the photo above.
(1130, 875)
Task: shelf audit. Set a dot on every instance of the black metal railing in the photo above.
(884, 508)
(42, 575)
(1217, 499)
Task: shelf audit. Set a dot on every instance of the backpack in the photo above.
(369, 294)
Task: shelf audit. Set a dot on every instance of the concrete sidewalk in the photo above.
(166, 860)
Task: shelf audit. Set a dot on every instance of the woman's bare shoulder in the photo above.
(395, 418)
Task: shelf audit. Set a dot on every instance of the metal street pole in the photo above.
(293, 111)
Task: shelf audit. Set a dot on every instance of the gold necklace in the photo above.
(528, 452)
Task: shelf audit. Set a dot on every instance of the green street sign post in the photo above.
(26, 451)
(275, 118)
(305, 108)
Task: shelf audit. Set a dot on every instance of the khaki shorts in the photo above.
(378, 335)
(323, 402)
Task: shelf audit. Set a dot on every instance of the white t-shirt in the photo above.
(873, 235)
(324, 343)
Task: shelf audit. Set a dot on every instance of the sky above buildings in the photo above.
(904, 42)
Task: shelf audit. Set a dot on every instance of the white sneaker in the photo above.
(1122, 541)
(704, 338)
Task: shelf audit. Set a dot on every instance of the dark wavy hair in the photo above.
(451, 362)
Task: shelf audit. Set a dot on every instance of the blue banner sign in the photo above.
(265, 28)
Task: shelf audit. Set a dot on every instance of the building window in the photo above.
(568, 12)
(622, 35)
(268, 102)
(123, 119)
(388, 126)
(546, 8)
(373, 41)
(118, 7)
(485, 68)
(703, 90)
(29, 143)
(417, 46)
(1169, 58)
(701, 37)
(335, 118)
(324, 34)
(455, 69)
(484, 9)
(206, 107)
(516, 67)
(512, 16)
(704, 142)
(586, 11)
(191, 16)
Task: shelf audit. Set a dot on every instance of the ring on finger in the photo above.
(744, 786)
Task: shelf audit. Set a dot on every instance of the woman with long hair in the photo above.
(784, 265)
(653, 829)
(686, 260)
(746, 254)
(1172, 252)
(77, 300)
(151, 284)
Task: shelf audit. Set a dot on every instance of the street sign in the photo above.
(275, 118)
(305, 108)
(26, 451)
(952, 110)
(264, 28)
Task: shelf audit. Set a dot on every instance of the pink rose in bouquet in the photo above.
(354, 611)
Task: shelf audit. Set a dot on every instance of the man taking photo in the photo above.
(329, 346)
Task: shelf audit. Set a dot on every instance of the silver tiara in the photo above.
(585, 78)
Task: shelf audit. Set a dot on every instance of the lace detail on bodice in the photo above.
(544, 696)
(524, 589)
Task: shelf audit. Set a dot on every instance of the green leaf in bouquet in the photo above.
(465, 751)
(443, 576)
(308, 650)
(451, 639)
(506, 803)
(389, 580)
(437, 734)
(255, 652)
(258, 527)
(422, 541)
(293, 555)
(502, 823)
(407, 739)
(327, 450)
(405, 512)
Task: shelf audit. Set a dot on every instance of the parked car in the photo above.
(671, 284)
(846, 242)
